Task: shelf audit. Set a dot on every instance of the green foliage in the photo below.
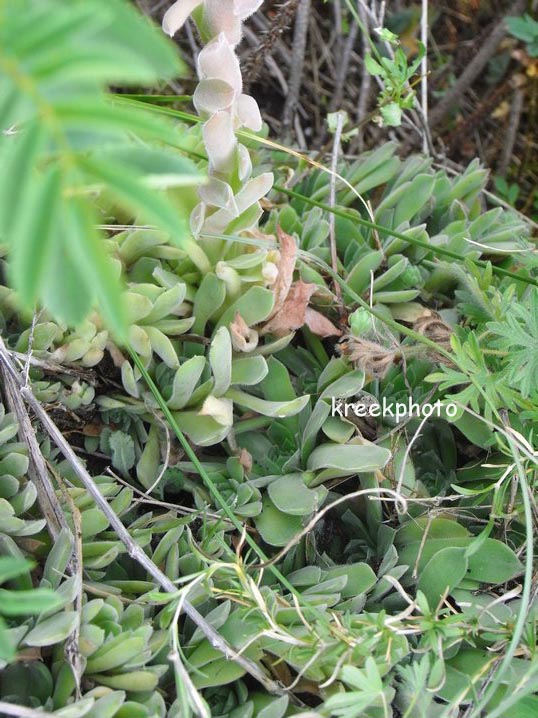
(64, 140)
(395, 73)
(525, 28)
(509, 192)
(367, 690)
(19, 603)
(518, 339)
(417, 606)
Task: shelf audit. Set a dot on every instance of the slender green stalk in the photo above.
(398, 235)
(363, 28)
(167, 99)
(214, 490)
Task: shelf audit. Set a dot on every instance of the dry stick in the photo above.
(37, 469)
(338, 38)
(190, 37)
(332, 202)
(297, 64)
(279, 47)
(52, 367)
(338, 21)
(511, 133)
(271, 64)
(30, 347)
(366, 80)
(424, 72)
(475, 67)
(133, 549)
(46, 496)
(262, 48)
(343, 67)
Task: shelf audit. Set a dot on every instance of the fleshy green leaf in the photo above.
(350, 458)
(443, 572)
(123, 451)
(248, 371)
(22, 603)
(53, 630)
(185, 380)
(290, 495)
(275, 527)
(276, 409)
(220, 360)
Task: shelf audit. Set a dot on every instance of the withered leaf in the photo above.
(320, 325)
(286, 267)
(291, 310)
(244, 339)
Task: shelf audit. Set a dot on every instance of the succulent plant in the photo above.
(17, 494)
(413, 200)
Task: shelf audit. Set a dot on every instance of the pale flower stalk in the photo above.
(232, 195)
(230, 200)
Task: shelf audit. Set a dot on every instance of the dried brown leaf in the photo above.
(320, 325)
(286, 267)
(244, 339)
(292, 313)
(246, 461)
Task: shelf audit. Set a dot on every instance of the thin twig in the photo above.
(31, 334)
(343, 67)
(37, 469)
(297, 64)
(407, 453)
(332, 201)
(271, 64)
(366, 79)
(401, 500)
(262, 47)
(147, 499)
(424, 71)
(133, 549)
(260, 22)
(52, 367)
(511, 133)
(166, 463)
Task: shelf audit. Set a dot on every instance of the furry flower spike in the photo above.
(212, 17)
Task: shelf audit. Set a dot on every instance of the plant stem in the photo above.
(398, 235)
